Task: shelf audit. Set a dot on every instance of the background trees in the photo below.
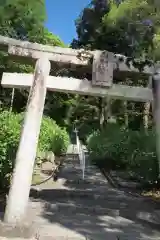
(25, 20)
(129, 27)
(126, 27)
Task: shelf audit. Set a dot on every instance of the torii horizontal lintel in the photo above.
(77, 86)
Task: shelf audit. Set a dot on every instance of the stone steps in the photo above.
(75, 209)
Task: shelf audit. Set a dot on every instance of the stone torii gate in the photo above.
(104, 66)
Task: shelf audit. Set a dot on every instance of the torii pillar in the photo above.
(26, 154)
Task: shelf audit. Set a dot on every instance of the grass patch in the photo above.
(154, 194)
(37, 178)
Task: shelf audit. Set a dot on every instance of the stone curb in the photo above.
(8, 238)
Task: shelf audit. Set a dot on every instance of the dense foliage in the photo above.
(52, 138)
(118, 148)
(126, 27)
(26, 20)
(129, 27)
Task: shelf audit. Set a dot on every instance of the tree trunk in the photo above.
(156, 112)
(12, 100)
(125, 114)
(101, 113)
(104, 111)
(146, 111)
(146, 116)
(26, 154)
(107, 110)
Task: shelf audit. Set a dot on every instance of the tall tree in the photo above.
(88, 23)
(25, 20)
(129, 27)
(22, 19)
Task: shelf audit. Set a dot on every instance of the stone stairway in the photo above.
(75, 209)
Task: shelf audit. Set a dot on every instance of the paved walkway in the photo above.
(73, 209)
(90, 209)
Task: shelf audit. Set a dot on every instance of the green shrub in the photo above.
(9, 138)
(133, 151)
(109, 144)
(143, 159)
(52, 138)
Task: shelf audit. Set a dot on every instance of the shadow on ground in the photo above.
(98, 211)
(91, 209)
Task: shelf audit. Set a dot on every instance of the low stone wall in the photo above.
(47, 165)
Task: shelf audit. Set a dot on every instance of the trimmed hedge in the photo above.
(117, 148)
(52, 138)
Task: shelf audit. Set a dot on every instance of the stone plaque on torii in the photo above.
(104, 66)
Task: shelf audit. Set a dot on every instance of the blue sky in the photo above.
(61, 16)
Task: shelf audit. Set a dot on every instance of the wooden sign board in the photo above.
(102, 69)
